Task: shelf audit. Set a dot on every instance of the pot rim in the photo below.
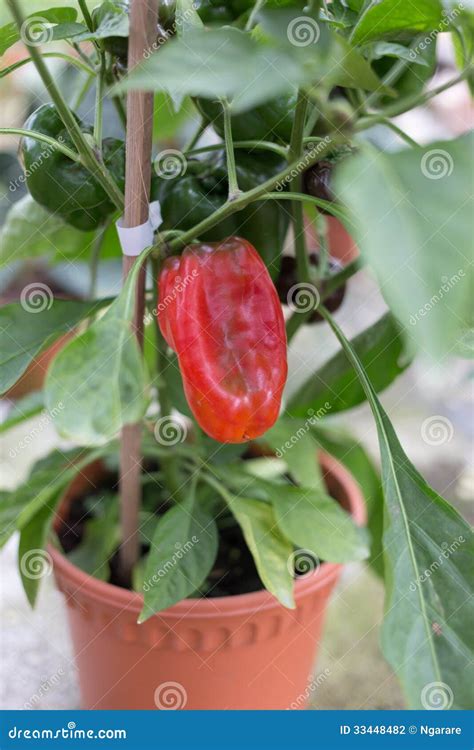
(202, 608)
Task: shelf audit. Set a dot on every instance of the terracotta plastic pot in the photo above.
(341, 245)
(35, 374)
(236, 652)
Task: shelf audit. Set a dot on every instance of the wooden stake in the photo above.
(143, 23)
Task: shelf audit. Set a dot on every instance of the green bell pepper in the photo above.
(189, 199)
(63, 186)
(272, 121)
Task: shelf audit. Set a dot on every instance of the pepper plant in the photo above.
(291, 92)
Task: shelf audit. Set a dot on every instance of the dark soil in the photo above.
(234, 571)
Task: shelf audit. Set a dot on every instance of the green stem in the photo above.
(62, 55)
(336, 210)
(295, 152)
(94, 260)
(251, 19)
(230, 155)
(86, 14)
(45, 139)
(323, 265)
(297, 319)
(99, 102)
(195, 137)
(380, 120)
(260, 191)
(410, 102)
(88, 158)
(169, 465)
(263, 145)
(81, 92)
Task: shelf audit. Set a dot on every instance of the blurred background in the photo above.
(36, 658)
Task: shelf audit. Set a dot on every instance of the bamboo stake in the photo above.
(143, 23)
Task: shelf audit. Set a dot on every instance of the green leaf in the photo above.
(293, 441)
(46, 478)
(218, 63)
(428, 564)
(30, 326)
(99, 376)
(101, 538)
(412, 220)
(112, 20)
(317, 523)
(354, 71)
(33, 560)
(335, 387)
(399, 51)
(38, 29)
(352, 454)
(30, 232)
(23, 409)
(183, 551)
(271, 551)
(392, 18)
(186, 17)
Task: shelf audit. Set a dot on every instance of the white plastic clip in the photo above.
(135, 239)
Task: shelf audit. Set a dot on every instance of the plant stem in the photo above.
(195, 137)
(380, 120)
(94, 261)
(333, 208)
(256, 8)
(52, 142)
(99, 102)
(295, 152)
(230, 155)
(89, 160)
(81, 92)
(323, 249)
(297, 319)
(62, 55)
(243, 200)
(263, 145)
(416, 100)
(86, 14)
(169, 465)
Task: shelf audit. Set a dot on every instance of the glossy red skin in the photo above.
(219, 310)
